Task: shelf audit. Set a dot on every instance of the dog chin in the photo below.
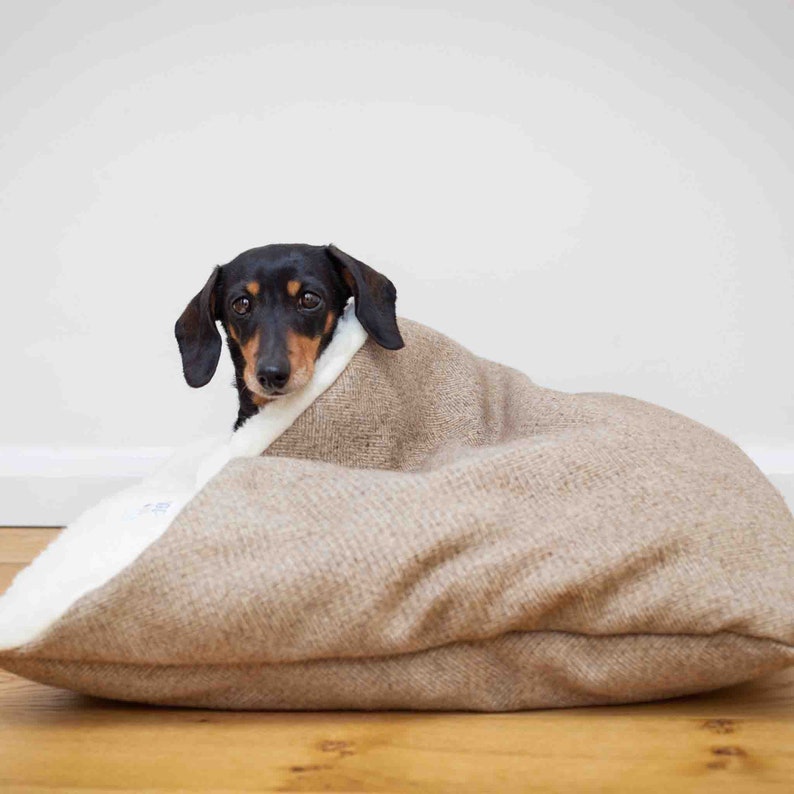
(261, 397)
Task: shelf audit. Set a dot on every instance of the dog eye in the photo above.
(242, 305)
(309, 300)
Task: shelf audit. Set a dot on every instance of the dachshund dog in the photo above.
(279, 305)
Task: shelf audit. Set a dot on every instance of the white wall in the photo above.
(599, 194)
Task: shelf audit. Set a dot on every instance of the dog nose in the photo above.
(273, 376)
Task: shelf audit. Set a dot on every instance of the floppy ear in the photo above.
(197, 335)
(375, 298)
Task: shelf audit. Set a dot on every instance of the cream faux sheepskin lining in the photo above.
(108, 537)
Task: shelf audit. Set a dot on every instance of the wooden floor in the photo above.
(736, 740)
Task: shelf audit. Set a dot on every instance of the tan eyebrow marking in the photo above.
(293, 287)
(329, 321)
(253, 287)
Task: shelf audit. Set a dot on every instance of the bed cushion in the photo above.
(424, 530)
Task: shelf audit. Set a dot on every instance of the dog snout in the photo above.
(273, 377)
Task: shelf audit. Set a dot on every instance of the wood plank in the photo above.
(22, 544)
(55, 740)
(8, 570)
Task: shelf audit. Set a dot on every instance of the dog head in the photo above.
(279, 305)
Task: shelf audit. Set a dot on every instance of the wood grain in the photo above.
(739, 739)
(8, 570)
(21, 545)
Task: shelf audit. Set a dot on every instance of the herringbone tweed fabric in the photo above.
(438, 532)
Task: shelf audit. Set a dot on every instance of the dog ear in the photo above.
(198, 337)
(375, 298)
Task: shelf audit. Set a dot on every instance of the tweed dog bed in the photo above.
(420, 529)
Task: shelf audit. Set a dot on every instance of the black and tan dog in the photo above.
(279, 305)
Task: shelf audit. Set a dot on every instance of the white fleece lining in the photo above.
(108, 537)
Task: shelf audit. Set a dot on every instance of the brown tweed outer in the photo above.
(438, 532)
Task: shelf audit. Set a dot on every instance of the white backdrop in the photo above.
(599, 194)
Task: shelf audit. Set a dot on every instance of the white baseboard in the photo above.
(51, 486)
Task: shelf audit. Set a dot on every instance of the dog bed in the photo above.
(421, 529)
